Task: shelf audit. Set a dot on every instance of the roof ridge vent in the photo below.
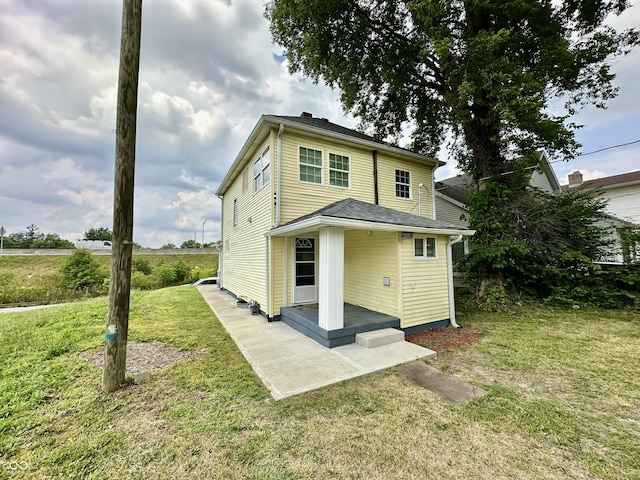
(306, 115)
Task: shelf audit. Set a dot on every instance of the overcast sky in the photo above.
(208, 70)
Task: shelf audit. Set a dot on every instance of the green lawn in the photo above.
(36, 279)
(563, 402)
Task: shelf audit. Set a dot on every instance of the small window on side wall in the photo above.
(424, 247)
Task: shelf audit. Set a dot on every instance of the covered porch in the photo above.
(305, 319)
(354, 253)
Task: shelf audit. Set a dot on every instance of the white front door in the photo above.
(304, 289)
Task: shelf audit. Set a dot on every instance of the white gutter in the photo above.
(452, 301)
(316, 222)
(278, 173)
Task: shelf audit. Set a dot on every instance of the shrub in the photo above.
(198, 272)
(140, 281)
(141, 265)
(81, 270)
(166, 274)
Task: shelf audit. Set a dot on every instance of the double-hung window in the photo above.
(310, 165)
(261, 170)
(338, 170)
(424, 247)
(403, 183)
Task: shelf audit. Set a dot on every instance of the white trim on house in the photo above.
(396, 183)
(348, 171)
(317, 222)
(321, 166)
(451, 200)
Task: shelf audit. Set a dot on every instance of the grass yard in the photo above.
(35, 279)
(563, 402)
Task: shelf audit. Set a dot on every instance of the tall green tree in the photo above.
(101, 233)
(487, 71)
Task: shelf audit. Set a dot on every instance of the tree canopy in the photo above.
(101, 233)
(488, 70)
(32, 237)
(503, 77)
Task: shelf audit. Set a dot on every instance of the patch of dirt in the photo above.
(144, 357)
(445, 338)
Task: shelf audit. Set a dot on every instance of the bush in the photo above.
(140, 281)
(198, 272)
(141, 265)
(165, 274)
(81, 270)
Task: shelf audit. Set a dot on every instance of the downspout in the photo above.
(433, 191)
(452, 301)
(266, 307)
(374, 154)
(277, 224)
(221, 252)
(278, 173)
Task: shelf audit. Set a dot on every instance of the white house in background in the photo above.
(622, 193)
(452, 196)
(333, 231)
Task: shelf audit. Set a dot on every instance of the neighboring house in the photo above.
(332, 231)
(452, 196)
(622, 194)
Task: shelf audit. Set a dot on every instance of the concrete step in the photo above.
(376, 338)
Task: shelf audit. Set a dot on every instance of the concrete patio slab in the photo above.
(288, 362)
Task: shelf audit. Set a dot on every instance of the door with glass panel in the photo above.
(304, 290)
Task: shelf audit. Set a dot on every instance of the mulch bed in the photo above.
(445, 338)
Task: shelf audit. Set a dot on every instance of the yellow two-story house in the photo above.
(333, 232)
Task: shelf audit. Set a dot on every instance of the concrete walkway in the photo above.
(288, 362)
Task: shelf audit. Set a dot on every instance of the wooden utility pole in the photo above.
(115, 351)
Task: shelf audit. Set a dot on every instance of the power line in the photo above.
(601, 150)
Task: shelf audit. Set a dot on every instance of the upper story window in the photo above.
(403, 183)
(261, 170)
(338, 170)
(310, 165)
(424, 247)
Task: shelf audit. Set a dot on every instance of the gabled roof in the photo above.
(458, 188)
(605, 183)
(351, 213)
(315, 126)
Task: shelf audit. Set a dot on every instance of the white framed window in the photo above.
(262, 170)
(310, 165)
(235, 212)
(403, 183)
(424, 247)
(339, 170)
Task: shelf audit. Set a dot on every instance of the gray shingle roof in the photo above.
(324, 124)
(352, 209)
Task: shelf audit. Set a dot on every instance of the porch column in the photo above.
(331, 277)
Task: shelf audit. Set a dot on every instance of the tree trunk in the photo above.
(115, 352)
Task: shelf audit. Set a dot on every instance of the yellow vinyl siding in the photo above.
(425, 293)
(300, 198)
(420, 173)
(367, 259)
(244, 262)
